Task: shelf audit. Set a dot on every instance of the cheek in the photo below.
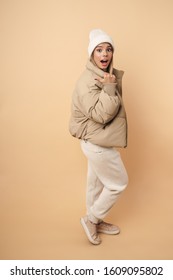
(96, 56)
(110, 55)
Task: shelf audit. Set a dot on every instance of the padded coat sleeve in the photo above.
(100, 102)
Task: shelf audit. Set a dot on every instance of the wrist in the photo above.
(110, 88)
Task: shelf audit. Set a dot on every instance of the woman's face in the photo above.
(102, 55)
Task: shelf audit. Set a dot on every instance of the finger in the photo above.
(97, 78)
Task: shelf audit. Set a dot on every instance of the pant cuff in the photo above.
(93, 219)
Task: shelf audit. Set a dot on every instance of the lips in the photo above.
(104, 63)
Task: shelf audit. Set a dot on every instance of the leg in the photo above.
(108, 167)
(94, 188)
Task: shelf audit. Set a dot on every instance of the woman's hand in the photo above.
(108, 78)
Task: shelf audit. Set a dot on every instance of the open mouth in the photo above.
(104, 61)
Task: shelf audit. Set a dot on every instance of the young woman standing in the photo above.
(98, 118)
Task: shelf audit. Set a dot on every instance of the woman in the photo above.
(98, 118)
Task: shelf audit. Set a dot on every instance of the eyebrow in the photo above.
(109, 45)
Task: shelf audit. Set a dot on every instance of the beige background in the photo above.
(42, 169)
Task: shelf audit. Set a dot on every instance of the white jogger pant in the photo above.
(106, 179)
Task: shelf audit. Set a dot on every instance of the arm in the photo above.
(100, 101)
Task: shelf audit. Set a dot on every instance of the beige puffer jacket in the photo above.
(97, 112)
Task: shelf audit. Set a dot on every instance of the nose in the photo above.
(105, 52)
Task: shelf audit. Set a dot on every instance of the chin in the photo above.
(104, 69)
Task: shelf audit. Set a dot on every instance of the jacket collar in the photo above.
(90, 66)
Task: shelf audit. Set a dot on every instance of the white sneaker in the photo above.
(90, 230)
(107, 228)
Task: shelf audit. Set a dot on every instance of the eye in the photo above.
(109, 50)
(99, 50)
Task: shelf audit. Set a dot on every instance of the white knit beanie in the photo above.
(96, 37)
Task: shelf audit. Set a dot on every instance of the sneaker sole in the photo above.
(88, 233)
(109, 232)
